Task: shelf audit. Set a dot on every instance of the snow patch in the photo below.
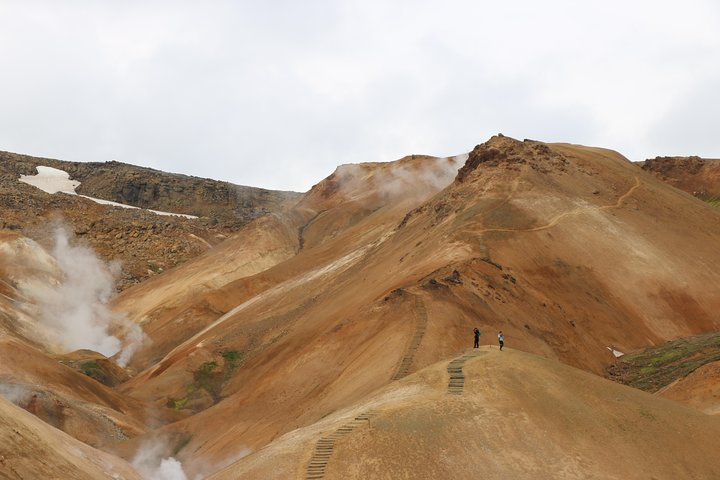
(52, 180)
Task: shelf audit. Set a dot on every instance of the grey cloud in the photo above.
(691, 127)
(277, 94)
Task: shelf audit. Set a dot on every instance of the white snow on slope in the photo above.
(617, 353)
(53, 180)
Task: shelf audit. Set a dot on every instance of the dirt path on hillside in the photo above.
(421, 319)
(456, 382)
(577, 211)
(317, 465)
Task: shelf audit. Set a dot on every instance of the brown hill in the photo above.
(23, 263)
(198, 294)
(31, 449)
(686, 370)
(145, 243)
(567, 249)
(67, 399)
(382, 270)
(697, 176)
(506, 415)
(700, 389)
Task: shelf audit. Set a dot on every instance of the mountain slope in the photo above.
(686, 370)
(143, 242)
(29, 449)
(697, 176)
(516, 416)
(67, 399)
(567, 249)
(382, 270)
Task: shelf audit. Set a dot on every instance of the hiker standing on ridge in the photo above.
(501, 339)
(477, 338)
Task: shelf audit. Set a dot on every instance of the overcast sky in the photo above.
(276, 94)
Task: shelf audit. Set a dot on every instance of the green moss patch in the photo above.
(657, 367)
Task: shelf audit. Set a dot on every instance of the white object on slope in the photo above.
(617, 353)
(53, 180)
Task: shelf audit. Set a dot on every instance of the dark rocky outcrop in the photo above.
(144, 243)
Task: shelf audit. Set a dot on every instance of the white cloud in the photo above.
(276, 94)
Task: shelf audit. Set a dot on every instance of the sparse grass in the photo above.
(182, 443)
(89, 367)
(231, 359)
(205, 371)
(210, 378)
(657, 367)
(155, 267)
(93, 370)
(714, 201)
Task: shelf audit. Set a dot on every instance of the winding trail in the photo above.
(324, 447)
(619, 203)
(420, 327)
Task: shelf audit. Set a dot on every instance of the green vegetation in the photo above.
(231, 359)
(93, 370)
(205, 372)
(657, 367)
(182, 443)
(155, 267)
(209, 377)
(714, 201)
(89, 368)
(178, 404)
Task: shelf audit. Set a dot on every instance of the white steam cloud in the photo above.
(14, 393)
(152, 462)
(149, 463)
(415, 179)
(434, 175)
(75, 311)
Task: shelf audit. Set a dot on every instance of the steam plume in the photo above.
(14, 393)
(149, 463)
(75, 310)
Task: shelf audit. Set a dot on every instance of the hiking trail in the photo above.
(420, 327)
(577, 211)
(456, 384)
(324, 447)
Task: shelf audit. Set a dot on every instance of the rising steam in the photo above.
(407, 178)
(149, 463)
(16, 394)
(416, 179)
(153, 463)
(75, 310)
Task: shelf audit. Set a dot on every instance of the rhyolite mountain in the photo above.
(332, 337)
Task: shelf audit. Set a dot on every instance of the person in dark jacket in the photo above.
(477, 338)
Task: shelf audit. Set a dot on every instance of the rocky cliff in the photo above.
(143, 242)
